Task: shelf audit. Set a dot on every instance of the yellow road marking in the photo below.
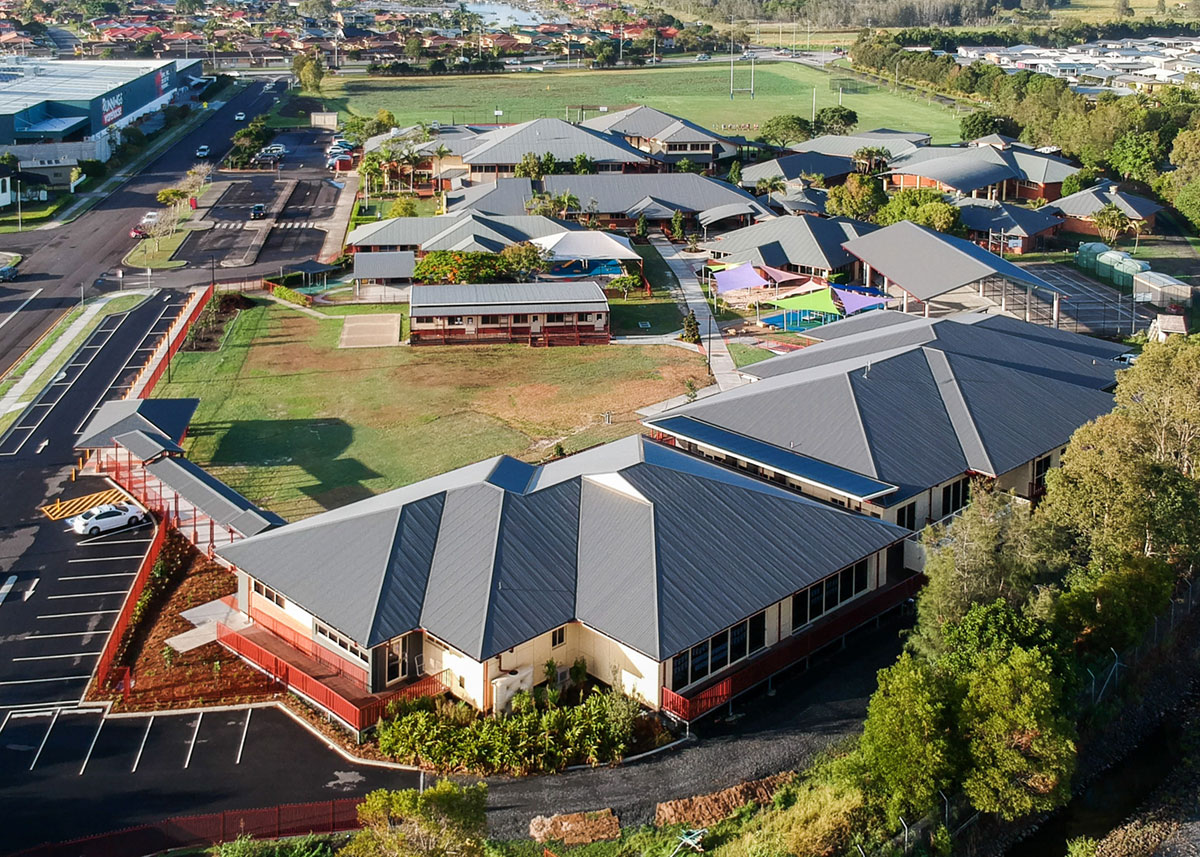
(58, 510)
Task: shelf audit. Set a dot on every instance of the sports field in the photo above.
(696, 91)
(299, 425)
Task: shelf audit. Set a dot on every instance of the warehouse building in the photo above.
(54, 101)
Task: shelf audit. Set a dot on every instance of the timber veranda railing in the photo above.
(786, 653)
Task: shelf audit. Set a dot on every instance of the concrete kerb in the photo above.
(264, 232)
(677, 401)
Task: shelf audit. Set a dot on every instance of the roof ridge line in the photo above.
(384, 576)
(491, 587)
(862, 427)
(950, 383)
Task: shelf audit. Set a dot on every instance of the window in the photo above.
(737, 642)
(906, 516)
(1040, 467)
(456, 320)
(799, 610)
(719, 651)
(831, 593)
(846, 583)
(955, 495)
(556, 318)
(269, 594)
(816, 603)
(699, 661)
(344, 643)
(679, 671)
(810, 604)
(520, 319)
(558, 636)
(757, 630)
(492, 320)
(860, 577)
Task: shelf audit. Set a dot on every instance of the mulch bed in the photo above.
(191, 678)
(707, 810)
(208, 336)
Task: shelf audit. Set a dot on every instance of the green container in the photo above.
(1085, 256)
(1126, 269)
(1107, 261)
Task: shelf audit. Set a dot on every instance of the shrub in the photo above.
(625, 282)
(691, 329)
(93, 169)
(291, 295)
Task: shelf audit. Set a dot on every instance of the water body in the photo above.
(507, 15)
(1111, 797)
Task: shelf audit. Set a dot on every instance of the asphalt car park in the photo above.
(123, 770)
(287, 243)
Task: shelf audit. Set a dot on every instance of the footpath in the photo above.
(720, 359)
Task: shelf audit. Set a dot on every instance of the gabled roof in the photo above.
(847, 145)
(970, 168)
(507, 145)
(456, 231)
(167, 418)
(927, 264)
(915, 403)
(650, 124)
(796, 165)
(984, 215)
(213, 497)
(814, 242)
(506, 298)
(493, 554)
(1088, 201)
(396, 264)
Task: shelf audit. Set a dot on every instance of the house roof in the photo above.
(970, 168)
(508, 144)
(493, 554)
(797, 164)
(587, 244)
(914, 402)
(459, 230)
(166, 418)
(984, 215)
(613, 193)
(506, 298)
(847, 145)
(814, 242)
(650, 124)
(927, 264)
(397, 264)
(1088, 201)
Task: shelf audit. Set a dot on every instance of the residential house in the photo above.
(1001, 227)
(554, 313)
(1080, 208)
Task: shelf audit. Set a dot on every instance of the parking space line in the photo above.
(96, 540)
(192, 746)
(70, 634)
(97, 576)
(104, 558)
(86, 594)
(242, 742)
(5, 723)
(45, 680)
(92, 746)
(142, 746)
(58, 657)
(45, 738)
(69, 615)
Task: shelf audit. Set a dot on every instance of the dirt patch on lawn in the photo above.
(576, 828)
(707, 810)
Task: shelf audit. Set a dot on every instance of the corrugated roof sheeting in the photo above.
(169, 417)
(402, 585)
(210, 495)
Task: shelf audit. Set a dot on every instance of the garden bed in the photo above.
(208, 332)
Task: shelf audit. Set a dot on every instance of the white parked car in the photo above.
(239, 117)
(150, 217)
(110, 516)
(202, 152)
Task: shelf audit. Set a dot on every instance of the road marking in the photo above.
(142, 747)
(104, 558)
(97, 576)
(192, 746)
(59, 657)
(45, 738)
(46, 680)
(5, 723)
(96, 540)
(88, 594)
(68, 634)
(13, 314)
(69, 615)
(242, 743)
(7, 587)
(29, 592)
(92, 746)
(42, 446)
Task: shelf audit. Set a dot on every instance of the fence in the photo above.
(169, 345)
(789, 652)
(200, 831)
(112, 646)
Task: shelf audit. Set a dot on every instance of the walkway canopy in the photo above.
(587, 245)
(729, 209)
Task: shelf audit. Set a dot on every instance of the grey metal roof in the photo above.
(798, 164)
(1088, 201)
(918, 405)
(45, 80)
(146, 445)
(649, 124)
(504, 298)
(805, 200)
(927, 264)
(846, 146)
(485, 566)
(507, 145)
(449, 231)
(973, 167)
(728, 209)
(984, 215)
(395, 264)
(167, 417)
(815, 242)
(213, 497)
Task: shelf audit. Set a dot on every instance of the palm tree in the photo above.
(1110, 222)
(868, 158)
(442, 151)
(411, 159)
(565, 201)
(771, 186)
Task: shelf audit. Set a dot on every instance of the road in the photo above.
(60, 260)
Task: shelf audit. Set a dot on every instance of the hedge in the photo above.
(291, 295)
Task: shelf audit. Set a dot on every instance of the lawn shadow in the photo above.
(316, 446)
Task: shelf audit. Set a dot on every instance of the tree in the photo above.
(677, 225)
(403, 207)
(783, 130)
(411, 159)
(640, 229)
(686, 165)
(1123, 9)
(9, 159)
(529, 167)
(735, 174)
(1136, 155)
(1111, 609)
(310, 70)
(583, 165)
(1020, 744)
(1188, 202)
(978, 124)
(413, 47)
(564, 202)
(549, 164)
(171, 195)
(906, 753)
(318, 10)
(771, 186)
(445, 820)
(859, 197)
(870, 159)
(924, 206)
(523, 260)
(1110, 222)
(1081, 180)
(691, 328)
(188, 7)
(440, 154)
(437, 66)
(835, 120)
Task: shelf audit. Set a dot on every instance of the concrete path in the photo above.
(206, 618)
(339, 224)
(720, 360)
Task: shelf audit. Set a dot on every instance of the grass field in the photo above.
(744, 355)
(698, 91)
(300, 426)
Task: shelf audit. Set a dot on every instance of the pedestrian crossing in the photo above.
(254, 224)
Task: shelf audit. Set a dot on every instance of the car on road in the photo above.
(239, 117)
(549, 64)
(138, 231)
(258, 211)
(702, 57)
(513, 61)
(748, 55)
(110, 516)
(8, 273)
(653, 60)
(150, 217)
(202, 152)
(273, 149)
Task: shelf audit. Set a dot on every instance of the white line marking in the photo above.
(88, 594)
(104, 558)
(12, 314)
(29, 592)
(192, 746)
(45, 680)
(56, 636)
(92, 746)
(142, 747)
(59, 657)
(95, 540)
(7, 587)
(96, 576)
(69, 615)
(242, 743)
(45, 738)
